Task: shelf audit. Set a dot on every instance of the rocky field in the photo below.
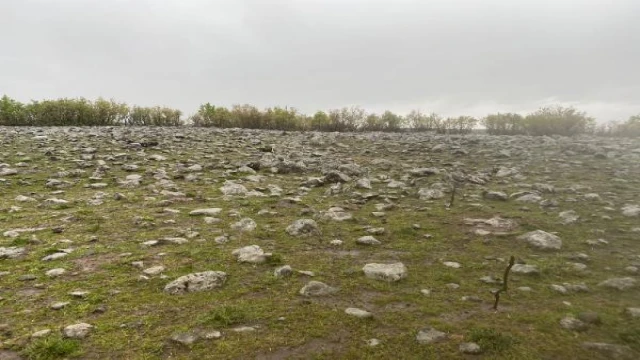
(184, 243)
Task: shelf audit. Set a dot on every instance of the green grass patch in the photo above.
(51, 348)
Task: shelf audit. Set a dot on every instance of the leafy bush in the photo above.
(553, 120)
(82, 112)
(629, 128)
(212, 116)
(558, 120)
(504, 124)
(420, 122)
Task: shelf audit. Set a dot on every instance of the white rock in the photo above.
(359, 313)
(525, 269)
(619, 283)
(430, 194)
(77, 331)
(368, 240)
(452, 264)
(54, 256)
(41, 333)
(11, 252)
(631, 210)
(317, 288)
(231, 188)
(385, 272)
(430, 336)
(245, 224)
(207, 212)
(303, 227)
(542, 240)
(195, 282)
(154, 270)
(55, 272)
(251, 254)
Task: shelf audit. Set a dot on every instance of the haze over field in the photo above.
(454, 57)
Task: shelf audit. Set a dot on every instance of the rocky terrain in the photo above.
(188, 243)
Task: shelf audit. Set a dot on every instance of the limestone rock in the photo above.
(202, 281)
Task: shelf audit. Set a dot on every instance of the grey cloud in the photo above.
(448, 56)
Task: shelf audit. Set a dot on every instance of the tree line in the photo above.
(554, 120)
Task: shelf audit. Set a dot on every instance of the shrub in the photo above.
(82, 112)
(491, 340)
(320, 121)
(558, 120)
(209, 115)
(504, 124)
(51, 348)
(418, 121)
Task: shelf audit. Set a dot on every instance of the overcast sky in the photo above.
(453, 57)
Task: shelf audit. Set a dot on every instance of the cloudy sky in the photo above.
(453, 57)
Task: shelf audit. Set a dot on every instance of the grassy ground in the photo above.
(134, 318)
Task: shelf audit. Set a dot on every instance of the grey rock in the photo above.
(317, 288)
(385, 272)
(303, 227)
(11, 252)
(525, 269)
(452, 264)
(359, 313)
(470, 348)
(430, 194)
(569, 217)
(632, 312)
(363, 183)
(77, 331)
(283, 271)
(620, 284)
(496, 195)
(613, 351)
(336, 177)
(55, 256)
(202, 281)
(206, 212)
(154, 270)
(59, 305)
(531, 198)
(55, 272)
(368, 240)
(40, 334)
(571, 323)
(252, 254)
(430, 336)
(336, 214)
(631, 210)
(423, 171)
(542, 240)
(559, 289)
(187, 338)
(245, 225)
(231, 188)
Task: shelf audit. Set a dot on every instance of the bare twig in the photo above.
(453, 193)
(505, 280)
